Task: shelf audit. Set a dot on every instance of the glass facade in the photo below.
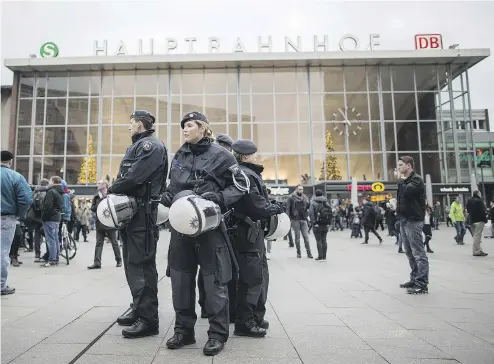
(360, 119)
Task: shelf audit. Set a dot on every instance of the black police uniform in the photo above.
(145, 162)
(250, 214)
(207, 169)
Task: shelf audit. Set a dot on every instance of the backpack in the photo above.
(324, 214)
(377, 211)
(38, 199)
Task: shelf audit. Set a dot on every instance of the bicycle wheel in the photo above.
(65, 249)
(71, 247)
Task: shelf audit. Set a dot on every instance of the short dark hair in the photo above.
(319, 192)
(44, 182)
(56, 180)
(476, 193)
(407, 160)
(299, 185)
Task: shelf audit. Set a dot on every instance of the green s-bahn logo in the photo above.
(49, 49)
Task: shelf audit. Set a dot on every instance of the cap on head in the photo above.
(194, 115)
(7, 156)
(143, 115)
(244, 146)
(223, 138)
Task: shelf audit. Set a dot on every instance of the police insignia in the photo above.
(235, 169)
(191, 115)
(146, 146)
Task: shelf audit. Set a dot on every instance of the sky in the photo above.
(75, 25)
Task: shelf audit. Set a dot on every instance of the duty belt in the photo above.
(254, 230)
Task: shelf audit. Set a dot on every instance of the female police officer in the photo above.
(210, 171)
(250, 214)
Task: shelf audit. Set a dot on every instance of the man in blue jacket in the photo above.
(16, 199)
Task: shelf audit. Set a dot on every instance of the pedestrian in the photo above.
(457, 217)
(298, 211)
(321, 216)
(437, 213)
(213, 173)
(427, 230)
(102, 231)
(34, 222)
(478, 219)
(356, 225)
(52, 218)
(369, 217)
(411, 213)
(492, 219)
(447, 210)
(16, 199)
(141, 175)
(82, 217)
(17, 242)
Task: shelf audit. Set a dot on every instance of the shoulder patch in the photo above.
(147, 146)
(235, 169)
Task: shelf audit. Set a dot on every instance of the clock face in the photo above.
(351, 121)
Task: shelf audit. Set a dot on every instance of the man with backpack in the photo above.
(369, 216)
(321, 215)
(34, 223)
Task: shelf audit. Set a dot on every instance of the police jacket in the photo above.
(411, 198)
(255, 204)
(205, 167)
(146, 160)
(16, 193)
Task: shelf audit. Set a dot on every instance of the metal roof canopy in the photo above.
(468, 57)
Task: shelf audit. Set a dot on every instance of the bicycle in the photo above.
(68, 248)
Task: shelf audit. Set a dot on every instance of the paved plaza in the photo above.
(348, 309)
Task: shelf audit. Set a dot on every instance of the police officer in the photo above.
(226, 142)
(213, 173)
(251, 213)
(142, 175)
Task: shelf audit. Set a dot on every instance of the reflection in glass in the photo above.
(79, 84)
(40, 85)
(318, 138)
(303, 107)
(216, 108)
(106, 140)
(25, 112)
(361, 167)
(385, 78)
(263, 136)
(123, 83)
(427, 106)
(146, 103)
(332, 79)
(37, 176)
(55, 111)
(426, 77)
(232, 109)
(357, 107)
(191, 103)
(245, 108)
(288, 169)
(94, 116)
(216, 80)
(306, 176)
(38, 141)
(402, 78)
(40, 112)
(432, 165)
(316, 85)
(93, 140)
(147, 83)
(269, 173)
(54, 141)
(355, 80)
(358, 136)
(53, 166)
(374, 107)
(23, 141)
(334, 137)
(464, 171)
(392, 161)
(78, 112)
(262, 108)
(121, 139)
(74, 166)
(162, 115)
(387, 106)
(334, 108)
(122, 109)
(247, 131)
(452, 167)
(219, 129)
(376, 136)
(405, 106)
(192, 82)
(334, 168)
(22, 166)
(407, 135)
(57, 86)
(318, 162)
(286, 107)
(26, 84)
(232, 131)
(430, 135)
(106, 168)
(389, 134)
(77, 140)
(107, 108)
(378, 167)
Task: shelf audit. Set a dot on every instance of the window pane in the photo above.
(376, 136)
(232, 81)
(94, 117)
(163, 82)
(464, 172)
(121, 139)
(232, 131)
(262, 80)
(430, 135)
(334, 135)
(146, 103)
(37, 176)
(53, 166)
(433, 166)
(269, 173)
(262, 108)
(38, 141)
(358, 138)
(106, 168)
(357, 107)
(40, 112)
(288, 137)
(55, 111)
(372, 78)
(407, 135)
(176, 112)
(191, 103)
(54, 141)
(385, 78)
(79, 84)
(77, 170)
(334, 107)
(147, 83)
(76, 140)
(318, 138)
(305, 169)
(162, 116)
(263, 136)
(78, 112)
(391, 161)
(303, 107)
(232, 109)
(361, 166)
(245, 108)
(247, 131)
(175, 82)
(355, 79)
(219, 129)
(107, 110)
(315, 80)
(332, 79)
(106, 141)
(402, 78)
(303, 84)
(405, 106)
(387, 107)
(318, 167)
(216, 81)
(123, 83)
(285, 80)
(452, 167)
(192, 82)
(426, 77)
(286, 107)
(288, 170)
(162, 133)
(177, 138)
(41, 85)
(57, 86)
(23, 141)
(427, 106)
(25, 112)
(22, 166)
(115, 167)
(27, 85)
(389, 134)
(378, 167)
(107, 83)
(334, 168)
(122, 109)
(216, 108)
(302, 134)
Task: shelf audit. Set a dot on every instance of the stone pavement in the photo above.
(348, 309)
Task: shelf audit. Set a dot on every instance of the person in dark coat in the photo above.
(369, 221)
(478, 219)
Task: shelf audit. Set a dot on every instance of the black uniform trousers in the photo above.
(209, 250)
(260, 310)
(140, 265)
(250, 257)
(100, 241)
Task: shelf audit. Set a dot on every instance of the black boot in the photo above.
(127, 319)
(140, 329)
(179, 340)
(250, 329)
(213, 347)
(417, 290)
(298, 254)
(264, 324)
(409, 284)
(204, 314)
(309, 254)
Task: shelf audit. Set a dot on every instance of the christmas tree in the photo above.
(332, 170)
(88, 165)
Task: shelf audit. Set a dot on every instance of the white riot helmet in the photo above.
(163, 214)
(278, 226)
(192, 215)
(115, 211)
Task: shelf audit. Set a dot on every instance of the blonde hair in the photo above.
(208, 133)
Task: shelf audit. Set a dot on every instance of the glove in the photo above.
(167, 199)
(279, 209)
(215, 197)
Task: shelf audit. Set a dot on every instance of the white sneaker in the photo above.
(268, 256)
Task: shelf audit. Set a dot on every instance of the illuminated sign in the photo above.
(377, 187)
(379, 198)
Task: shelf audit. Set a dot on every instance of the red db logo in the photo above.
(428, 41)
